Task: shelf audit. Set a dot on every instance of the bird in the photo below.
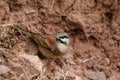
(51, 46)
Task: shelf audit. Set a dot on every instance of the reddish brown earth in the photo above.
(94, 29)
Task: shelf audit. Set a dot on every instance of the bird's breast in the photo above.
(63, 48)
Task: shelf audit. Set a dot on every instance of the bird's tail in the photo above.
(23, 30)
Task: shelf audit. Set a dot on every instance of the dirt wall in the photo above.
(94, 29)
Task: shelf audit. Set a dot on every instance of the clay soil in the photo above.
(93, 27)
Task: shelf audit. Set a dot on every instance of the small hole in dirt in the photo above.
(17, 34)
(109, 15)
(43, 13)
(94, 41)
(95, 1)
(63, 18)
(81, 34)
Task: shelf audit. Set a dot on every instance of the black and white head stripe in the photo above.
(63, 38)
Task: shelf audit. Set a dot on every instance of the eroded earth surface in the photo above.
(94, 29)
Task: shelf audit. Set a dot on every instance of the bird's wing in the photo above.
(46, 41)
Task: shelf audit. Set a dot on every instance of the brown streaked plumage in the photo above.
(51, 46)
